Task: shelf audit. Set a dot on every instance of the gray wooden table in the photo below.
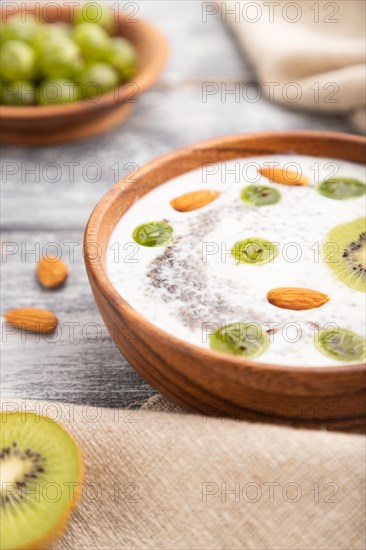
(49, 192)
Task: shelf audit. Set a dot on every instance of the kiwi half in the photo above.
(41, 473)
(345, 253)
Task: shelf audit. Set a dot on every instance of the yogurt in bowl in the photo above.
(213, 277)
(247, 257)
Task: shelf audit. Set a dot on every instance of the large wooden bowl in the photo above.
(203, 380)
(45, 125)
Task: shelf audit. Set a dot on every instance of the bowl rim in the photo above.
(99, 277)
(143, 80)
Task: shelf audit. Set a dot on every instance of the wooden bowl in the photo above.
(200, 379)
(45, 125)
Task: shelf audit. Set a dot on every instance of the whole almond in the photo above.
(284, 176)
(33, 320)
(51, 272)
(296, 298)
(194, 200)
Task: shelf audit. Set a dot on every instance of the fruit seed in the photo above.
(194, 200)
(51, 272)
(284, 176)
(296, 298)
(33, 320)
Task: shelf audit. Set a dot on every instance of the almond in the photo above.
(194, 200)
(296, 298)
(51, 272)
(33, 320)
(284, 176)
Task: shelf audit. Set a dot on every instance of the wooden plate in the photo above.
(45, 125)
(200, 379)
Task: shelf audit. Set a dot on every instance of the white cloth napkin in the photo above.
(308, 55)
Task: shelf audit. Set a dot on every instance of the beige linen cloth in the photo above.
(160, 481)
(307, 55)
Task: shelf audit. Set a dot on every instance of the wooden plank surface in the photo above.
(48, 194)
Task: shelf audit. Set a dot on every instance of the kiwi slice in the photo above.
(260, 195)
(341, 188)
(255, 251)
(41, 474)
(341, 344)
(243, 339)
(345, 253)
(153, 234)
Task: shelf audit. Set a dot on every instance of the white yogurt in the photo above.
(200, 286)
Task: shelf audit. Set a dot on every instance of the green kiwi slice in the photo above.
(41, 475)
(243, 339)
(345, 253)
(341, 188)
(260, 195)
(254, 251)
(341, 344)
(153, 234)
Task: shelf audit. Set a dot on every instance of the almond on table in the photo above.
(194, 200)
(32, 320)
(296, 298)
(51, 272)
(284, 176)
